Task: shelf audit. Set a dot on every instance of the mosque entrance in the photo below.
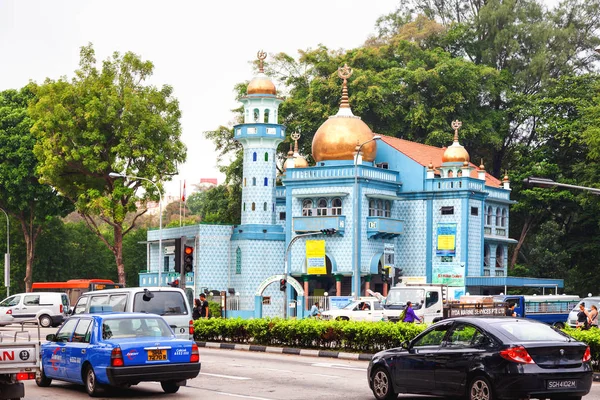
(318, 285)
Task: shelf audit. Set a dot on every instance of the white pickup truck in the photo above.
(363, 309)
(18, 361)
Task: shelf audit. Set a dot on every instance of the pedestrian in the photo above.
(409, 314)
(196, 310)
(510, 310)
(593, 317)
(314, 310)
(204, 311)
(582, 317)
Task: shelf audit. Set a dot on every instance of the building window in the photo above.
(266, 114)
(253, 181)
(504, 222)
(238, 261)
(474, 211)
(459, 173)
(450, 174)
(244, 206)
(379, 208)
(322, 207)
(266, 156)
(266, 181)
(282, 216)
(265, 206)
(254, 156)
(253, 206)
(499, 257)
(448, 210)
(372, 208)
(387, 212)
(382, 165)
(336, 206)
(498, 216)
(244, 181)
(486, 256)
(256, 114)
(307, 206)
(488, 219)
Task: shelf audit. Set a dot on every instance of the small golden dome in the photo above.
(261, 84)
(338, 137)
(430, 166)
(465, 163)
(505, 179)
(289, 162)
(456, 152)
(481, 166)
(300, 162)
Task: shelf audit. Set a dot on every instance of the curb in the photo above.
(290, 350)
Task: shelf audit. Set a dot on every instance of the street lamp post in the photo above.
(160, 259)
(549, 183)
(356, 271)
(7, 256)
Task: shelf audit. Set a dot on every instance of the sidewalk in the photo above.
(287, 350)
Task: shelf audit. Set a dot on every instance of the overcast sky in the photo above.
(201, 48)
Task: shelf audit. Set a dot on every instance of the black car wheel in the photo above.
(42, 380)
(169, 387)
(91, 384)
(480, 389)
(382, 385)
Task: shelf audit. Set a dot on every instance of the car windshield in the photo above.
(588, 305)
(351, 305)
(134, 327)
(9, 302)
(525, 331)
(161, 303)
(399, 296)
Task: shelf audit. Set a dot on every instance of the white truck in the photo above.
(18, 361)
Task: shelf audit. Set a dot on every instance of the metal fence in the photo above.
(322, 300)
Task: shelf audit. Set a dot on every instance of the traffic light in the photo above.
(178, 255)
(175, 283)
(282, 284)
(397, 273)
(328, 232)
(188, 259)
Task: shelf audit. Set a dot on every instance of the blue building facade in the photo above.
(399, 209)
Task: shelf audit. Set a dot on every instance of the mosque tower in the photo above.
(259, 135)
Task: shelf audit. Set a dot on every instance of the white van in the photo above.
(48, 308)
(588, 301)
(170, 303)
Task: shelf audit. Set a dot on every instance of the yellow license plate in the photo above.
(157, 355)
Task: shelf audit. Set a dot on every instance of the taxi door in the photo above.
(54, 354)
(77, 349)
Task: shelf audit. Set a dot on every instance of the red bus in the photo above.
(75, 287)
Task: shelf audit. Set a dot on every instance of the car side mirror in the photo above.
(69, 312)
(406, 344)
(51, 337)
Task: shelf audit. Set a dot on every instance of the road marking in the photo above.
(243, 396)
(278, 370)
(326, 376)
(239, 378)
(338, 366)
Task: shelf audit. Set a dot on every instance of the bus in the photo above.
(75, 287)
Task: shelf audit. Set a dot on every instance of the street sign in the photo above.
(169, 249)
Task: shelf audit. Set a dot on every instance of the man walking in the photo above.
(203, 306)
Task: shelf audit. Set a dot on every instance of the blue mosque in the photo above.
(372, 207)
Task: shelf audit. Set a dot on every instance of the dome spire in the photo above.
(345, 72)
(456, 152)
(261, 55)
(456, 126)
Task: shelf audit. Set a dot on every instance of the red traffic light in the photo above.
(188, 250)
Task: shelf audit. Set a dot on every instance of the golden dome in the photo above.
(261, 84)
(299, 161)
(337, 138)
(456, 153)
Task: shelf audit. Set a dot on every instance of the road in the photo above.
(230, 375)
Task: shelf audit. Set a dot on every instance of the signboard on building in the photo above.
(446, 239)
(451, 275)
(266, 300)
(315, 257)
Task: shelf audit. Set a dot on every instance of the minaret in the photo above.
(259, 135)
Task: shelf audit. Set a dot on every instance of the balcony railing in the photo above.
(383, 228)
(317, 223)
(342, 171)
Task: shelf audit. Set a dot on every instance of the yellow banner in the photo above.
(315, 257)
(446, 242)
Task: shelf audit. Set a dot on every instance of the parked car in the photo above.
(484, 359)
(117, 349)
(588, 301)
(170, 303)
(47, 308)
(364, 309)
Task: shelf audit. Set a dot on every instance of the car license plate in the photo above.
(157, 355)
(562, 384)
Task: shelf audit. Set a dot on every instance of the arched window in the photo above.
(266, 156)
(499, 257)
(256, 114)
(266, 114)
(253, 207)
(254, 156)
(322, 207)
(253, 181)
(488, 219)
(265, 206)
(307, 206)
(244, 207)
(336, 206)
(238, 261)
(266, 181)
(459, 173)
(486, 256)
(504, 221)
(372, 208)
(498, 216)
(244, 181)
(379, 208)
(387, 209)
(450, 174)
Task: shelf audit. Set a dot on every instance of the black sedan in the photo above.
(485, 359)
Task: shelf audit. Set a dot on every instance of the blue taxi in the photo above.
(117, 349)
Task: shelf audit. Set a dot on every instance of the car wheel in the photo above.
(559, 325)
(91, 383)
(45, 321)
(383, 389)
(480, 389)
(42, 380)
(169, 387)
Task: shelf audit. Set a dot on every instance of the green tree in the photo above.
(22, 196)
(107, 120)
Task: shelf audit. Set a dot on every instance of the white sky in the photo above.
(201, 48)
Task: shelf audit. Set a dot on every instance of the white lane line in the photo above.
(326, 376)
(239, 378)
(243, 396)
(278, 370)
(338, 366)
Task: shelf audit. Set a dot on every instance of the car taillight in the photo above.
(195, 357)
(116, 357)
(9, 312)
(23, 376)
(587, 356)
(517, 354)
(191, 327)
(61, 309)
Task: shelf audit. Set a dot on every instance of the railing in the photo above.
(559, 307)
(233, 303)
(279, 192)
(462, 183)
(322, 300)
(497, 193)
(342, 171)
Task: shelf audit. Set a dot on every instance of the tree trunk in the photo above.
(30, 234)
(527, 224)
(118, 252)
